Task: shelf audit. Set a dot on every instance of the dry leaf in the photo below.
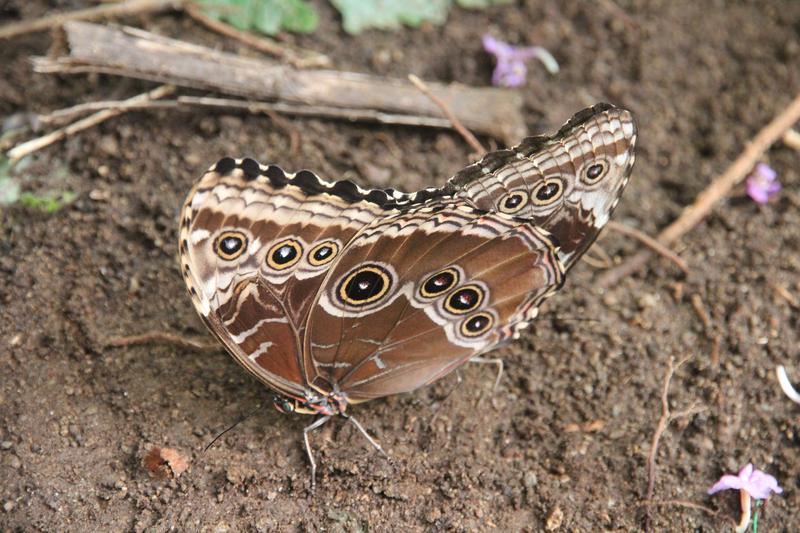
(160, 463)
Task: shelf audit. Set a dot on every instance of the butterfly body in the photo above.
(331, 294)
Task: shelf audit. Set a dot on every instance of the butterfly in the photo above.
(332, 295)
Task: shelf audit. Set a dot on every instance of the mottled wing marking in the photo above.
(602, 135)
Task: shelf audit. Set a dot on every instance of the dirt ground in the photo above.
(560, 445)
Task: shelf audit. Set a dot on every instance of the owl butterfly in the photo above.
(333, 295)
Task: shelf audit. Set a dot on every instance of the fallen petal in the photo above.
(786, 385)
(726, 482)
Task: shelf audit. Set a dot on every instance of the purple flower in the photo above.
(510, 70)
(756, 483)
(763, 183)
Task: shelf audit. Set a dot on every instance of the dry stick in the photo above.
(650, 243)
(699, 308)
(457, 125)
(784, 293)
(294, 134)
(716, 191)
(663, 422)
(299, 58)
(139, 54)
(792, 139)
(26, 148)
(163, 337)
(708, 329)
(119, 9)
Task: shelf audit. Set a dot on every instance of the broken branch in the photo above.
(139, 54)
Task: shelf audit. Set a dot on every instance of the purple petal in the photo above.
(744, 473)
(766, 172)
(498, 48)
(760, 485)
(509, 73)
(726, 482)
(762, 184)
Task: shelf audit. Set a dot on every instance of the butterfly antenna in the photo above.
(308, 429)
(363, 431)
(245, 417)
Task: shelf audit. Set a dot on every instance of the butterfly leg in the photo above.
(492, 361)
(363, 431)
(308, 429)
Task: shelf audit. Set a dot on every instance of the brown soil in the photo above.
(78, 417)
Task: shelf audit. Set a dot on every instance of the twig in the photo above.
(650, 243)
(457, 125)
(119, 9)
(294, 135)
(784, 293)
(163, 337)
(708, 327)
(26, 148)
(697, 305)
(348, 114)
(663, 422)
(792, 139)
(717, 190)
(786, 385)
(298, 58)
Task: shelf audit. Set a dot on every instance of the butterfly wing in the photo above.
(568, 183)
(255, 245)
(419, 293)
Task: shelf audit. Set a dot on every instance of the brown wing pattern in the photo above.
(417, 294)
(568, 184)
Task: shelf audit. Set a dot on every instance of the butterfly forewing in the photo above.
(255, 246)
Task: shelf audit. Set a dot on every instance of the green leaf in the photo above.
(47, 203)
(298, 17)
(266, 16)
(481, 4)
(358, 15)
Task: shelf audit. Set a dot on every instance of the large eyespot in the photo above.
(513, 202)
(323, 253)
(364, 285)
(284, 254)
(464, 300)
(230, 245)
(547, 192)
(594, 172)
(439, 283)
(477, 324)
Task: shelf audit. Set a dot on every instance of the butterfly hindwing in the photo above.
(568, 184)
(417, 294)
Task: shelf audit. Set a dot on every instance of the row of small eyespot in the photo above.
(546, 192)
